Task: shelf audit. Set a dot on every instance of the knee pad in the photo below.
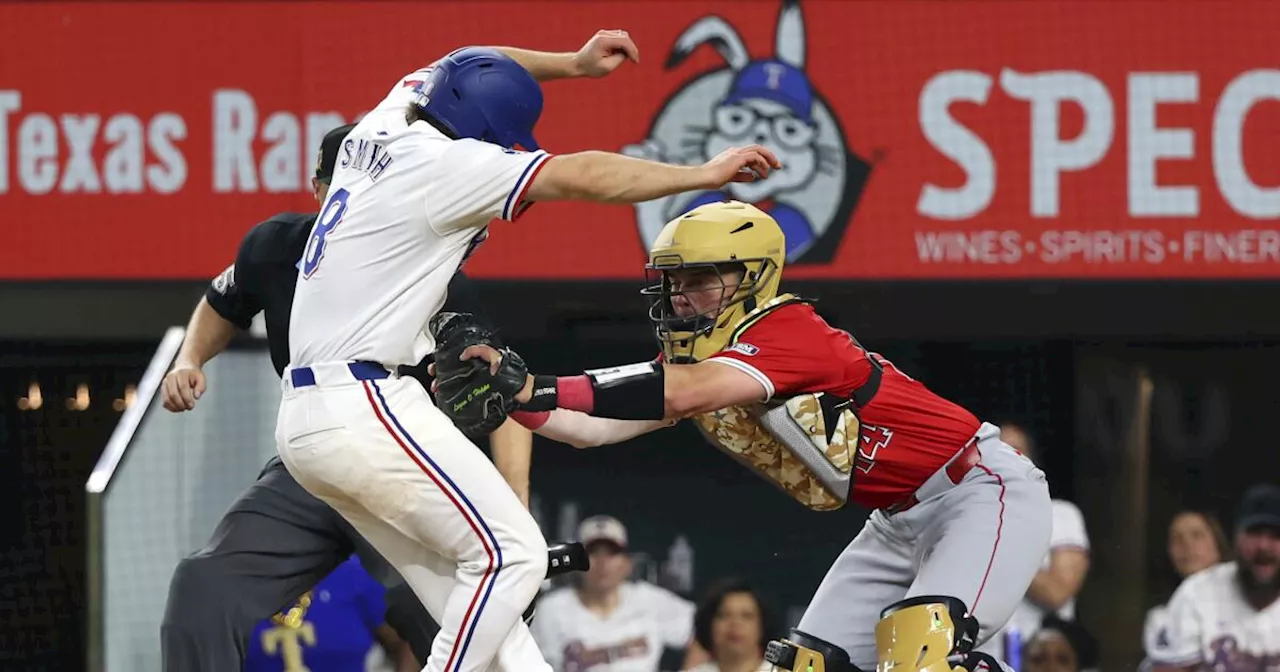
(802, 652)
(925, 634)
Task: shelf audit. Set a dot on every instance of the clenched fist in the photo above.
(604, 52)
(182, 387)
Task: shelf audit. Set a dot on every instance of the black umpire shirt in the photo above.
(264, 274)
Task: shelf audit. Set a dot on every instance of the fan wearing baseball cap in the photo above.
(605, 623)
(1228, 616)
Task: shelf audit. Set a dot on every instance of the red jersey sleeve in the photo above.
(793, 350)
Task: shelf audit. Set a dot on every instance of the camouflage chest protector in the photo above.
(807, 444)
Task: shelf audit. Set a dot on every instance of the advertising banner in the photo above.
(922, 140)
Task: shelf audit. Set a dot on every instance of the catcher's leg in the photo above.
(872, 571)
(274, 543)
(986, 538)
(930, 633)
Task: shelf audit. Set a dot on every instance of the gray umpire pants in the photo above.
(274, 543)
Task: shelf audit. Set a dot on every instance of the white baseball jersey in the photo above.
(647, 620)
(1068, 533)
(1208, 621)
(406, 206)
(1155, 629)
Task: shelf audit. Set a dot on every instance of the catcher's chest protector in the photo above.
(789, 446)
(806, 445)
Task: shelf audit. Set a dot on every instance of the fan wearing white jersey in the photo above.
(607, 623)
(1196, 543)
(1227, 618)
(418, 181)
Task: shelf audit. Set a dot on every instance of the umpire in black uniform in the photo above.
(277, 541)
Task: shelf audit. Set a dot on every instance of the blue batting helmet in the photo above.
(481, 93)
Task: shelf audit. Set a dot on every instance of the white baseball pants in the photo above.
(980, 540)
(383, 456)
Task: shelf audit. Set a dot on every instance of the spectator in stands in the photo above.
(606, 623)
(1062, 573)
(341, 630)
(1196, 542)
(1227, 618)
(732, 626)
(1060, 646)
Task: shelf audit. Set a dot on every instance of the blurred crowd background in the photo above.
(1062, 215)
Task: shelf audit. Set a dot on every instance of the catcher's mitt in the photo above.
(476, 400)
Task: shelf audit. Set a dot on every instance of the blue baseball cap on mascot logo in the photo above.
(775, 81)
(482, 94)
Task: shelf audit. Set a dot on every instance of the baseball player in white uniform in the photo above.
(418, 181)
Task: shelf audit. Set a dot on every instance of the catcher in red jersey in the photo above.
(960, 521)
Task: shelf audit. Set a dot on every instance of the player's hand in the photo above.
(182, 387)
(487, 353)
(604, 53)
(526, 392)
(739, 164)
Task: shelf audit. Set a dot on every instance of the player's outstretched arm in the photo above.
(584, 431)
(605, 177)
(208, 334)
(601, 55)
(512, 447)
(648, 391)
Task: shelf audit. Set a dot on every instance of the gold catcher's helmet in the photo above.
(930, 633)
(724, 236)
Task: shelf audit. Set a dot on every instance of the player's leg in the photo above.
(984, 539)
(873, 571)
(274, 543)
(382, 447)
(433, 579)
(927, 633)
(405, 612)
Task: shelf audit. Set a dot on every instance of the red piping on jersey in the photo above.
(995, 546)
(520, 206)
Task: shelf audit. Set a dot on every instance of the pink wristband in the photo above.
(532, 420)
(575, 393)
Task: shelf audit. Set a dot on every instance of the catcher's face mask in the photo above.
(686, 301)
(707, 270)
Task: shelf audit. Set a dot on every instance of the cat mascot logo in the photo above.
(769, 102)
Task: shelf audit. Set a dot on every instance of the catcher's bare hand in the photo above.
(495, 363)
(484, 352)
(182, 387)
(487, 353)
(604, 53)
(739, 164)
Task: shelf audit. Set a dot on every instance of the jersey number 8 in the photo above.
(330, 217)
